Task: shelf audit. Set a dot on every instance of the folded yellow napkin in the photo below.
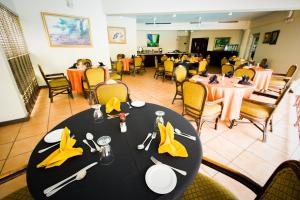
(64, 152)
(113, 104)
(168, 144)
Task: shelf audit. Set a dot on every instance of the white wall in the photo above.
(286, 51)
(235, 36)
(130, 47)
(167, 39)
(58, 59)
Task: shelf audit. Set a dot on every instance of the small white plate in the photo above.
(54, 136)
(138, 104)
(161, 179)
(238, 85)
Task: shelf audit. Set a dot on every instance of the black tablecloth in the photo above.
(125, 177)
(188, 65)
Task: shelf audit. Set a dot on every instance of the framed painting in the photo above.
(152, 40)
(116, 35)
(267, 37)
(274, 37)
(67, 31)
(221, 42)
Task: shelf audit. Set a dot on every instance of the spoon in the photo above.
(80, 175)
(90, 137)
(129, 105)
(178, 132)
(86, 142)
(142, 146)
(152, 137)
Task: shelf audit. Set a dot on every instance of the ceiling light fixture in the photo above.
(174, 15)
(230, 13)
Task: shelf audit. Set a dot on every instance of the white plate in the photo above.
(238, 85)
(138, 103)
(161, 179)
(54, 136)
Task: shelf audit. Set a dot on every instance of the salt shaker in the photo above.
(123, 125)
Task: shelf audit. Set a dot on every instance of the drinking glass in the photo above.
(159, 119)
(106, 154)
(98, 115)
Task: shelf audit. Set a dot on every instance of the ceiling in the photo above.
(205, 17)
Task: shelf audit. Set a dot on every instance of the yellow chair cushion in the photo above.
(211, 109)
(86, 87)
(59, 83)
(193, 72)
(277, 82)
(205, 188)
(255, 110)
(115, 76)
(179, 88)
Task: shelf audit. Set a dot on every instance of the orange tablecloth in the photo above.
(126, 62)
(262, 78)
(232, 93)
(76, 75)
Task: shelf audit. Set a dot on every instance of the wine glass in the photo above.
(98, 115)
(106, 154)
(159, 119)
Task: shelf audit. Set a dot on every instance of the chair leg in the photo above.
(70, 93)
(51, 95)
(174, 98)
(265, 133)
(216, 124)
(271, 125)
(232, 123)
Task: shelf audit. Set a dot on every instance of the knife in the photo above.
(182, 172)
(186, 135)
(61, 182)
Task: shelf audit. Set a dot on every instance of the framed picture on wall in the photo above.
(67, 31)
(116, 35)
(267, 37)
(221, 42)
(152, 40)
(274, 37)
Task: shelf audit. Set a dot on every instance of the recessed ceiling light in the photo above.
(230, 13)
(174, 15)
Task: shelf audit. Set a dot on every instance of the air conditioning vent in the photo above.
(228, 21)
(158, 23)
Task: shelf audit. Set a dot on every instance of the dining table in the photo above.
(124, 178)
(262, 78)
(77, 75)
(231, 92)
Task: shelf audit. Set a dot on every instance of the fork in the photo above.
(45, 149)
(152, 137)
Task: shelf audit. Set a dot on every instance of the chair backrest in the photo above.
(238, 63)
(224, 61)
(227, 68)
(94, 76)
(184, 57)
(194, 97)
(180, 73)
(169, 65)
(43, 75)
(87, 63)
(202, 66)
(243, 71)
(163, 58)
(120, 56)
(138, 61)
(284, 183)
(283, 93)
(119, 66)
(292, 71)
(104, 92)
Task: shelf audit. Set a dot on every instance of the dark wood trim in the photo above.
(12, 176)
(5, 123)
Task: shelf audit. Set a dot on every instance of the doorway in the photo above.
(199, 45)
(255, 38)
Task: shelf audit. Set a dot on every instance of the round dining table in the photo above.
(124, 178)
(231, 92)
(262, 78)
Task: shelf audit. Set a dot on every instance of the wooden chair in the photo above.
(245, 72)
(227, 68)
(117, 71)
(169, 68)
(57, 84)
(104, 92)
(195, 105)
(224, 61)
(120, 56)
(260, 113)
(201, 68)
(159, 69)
(180, 73)
(93, 76)
(137, 65)
(283, 184)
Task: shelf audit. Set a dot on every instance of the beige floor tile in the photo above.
(1, 164)
(282, 144)
(255, 166)
(296, 154)
(4, 150)
(9, 133)
(225, 148)
(32, 130)
(12, 186)
(16, 163)
(24, 145)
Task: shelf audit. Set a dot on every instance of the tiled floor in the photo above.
(239, 148)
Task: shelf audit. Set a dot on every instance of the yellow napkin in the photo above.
(113, 104)
(64, 152)
(168, 144)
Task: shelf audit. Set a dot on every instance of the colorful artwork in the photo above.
(220, 43)
(66, 30)
(274, 37)
(152, 40)
(116, 35)
(267, 37)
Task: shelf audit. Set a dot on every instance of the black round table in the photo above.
(125, 177)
